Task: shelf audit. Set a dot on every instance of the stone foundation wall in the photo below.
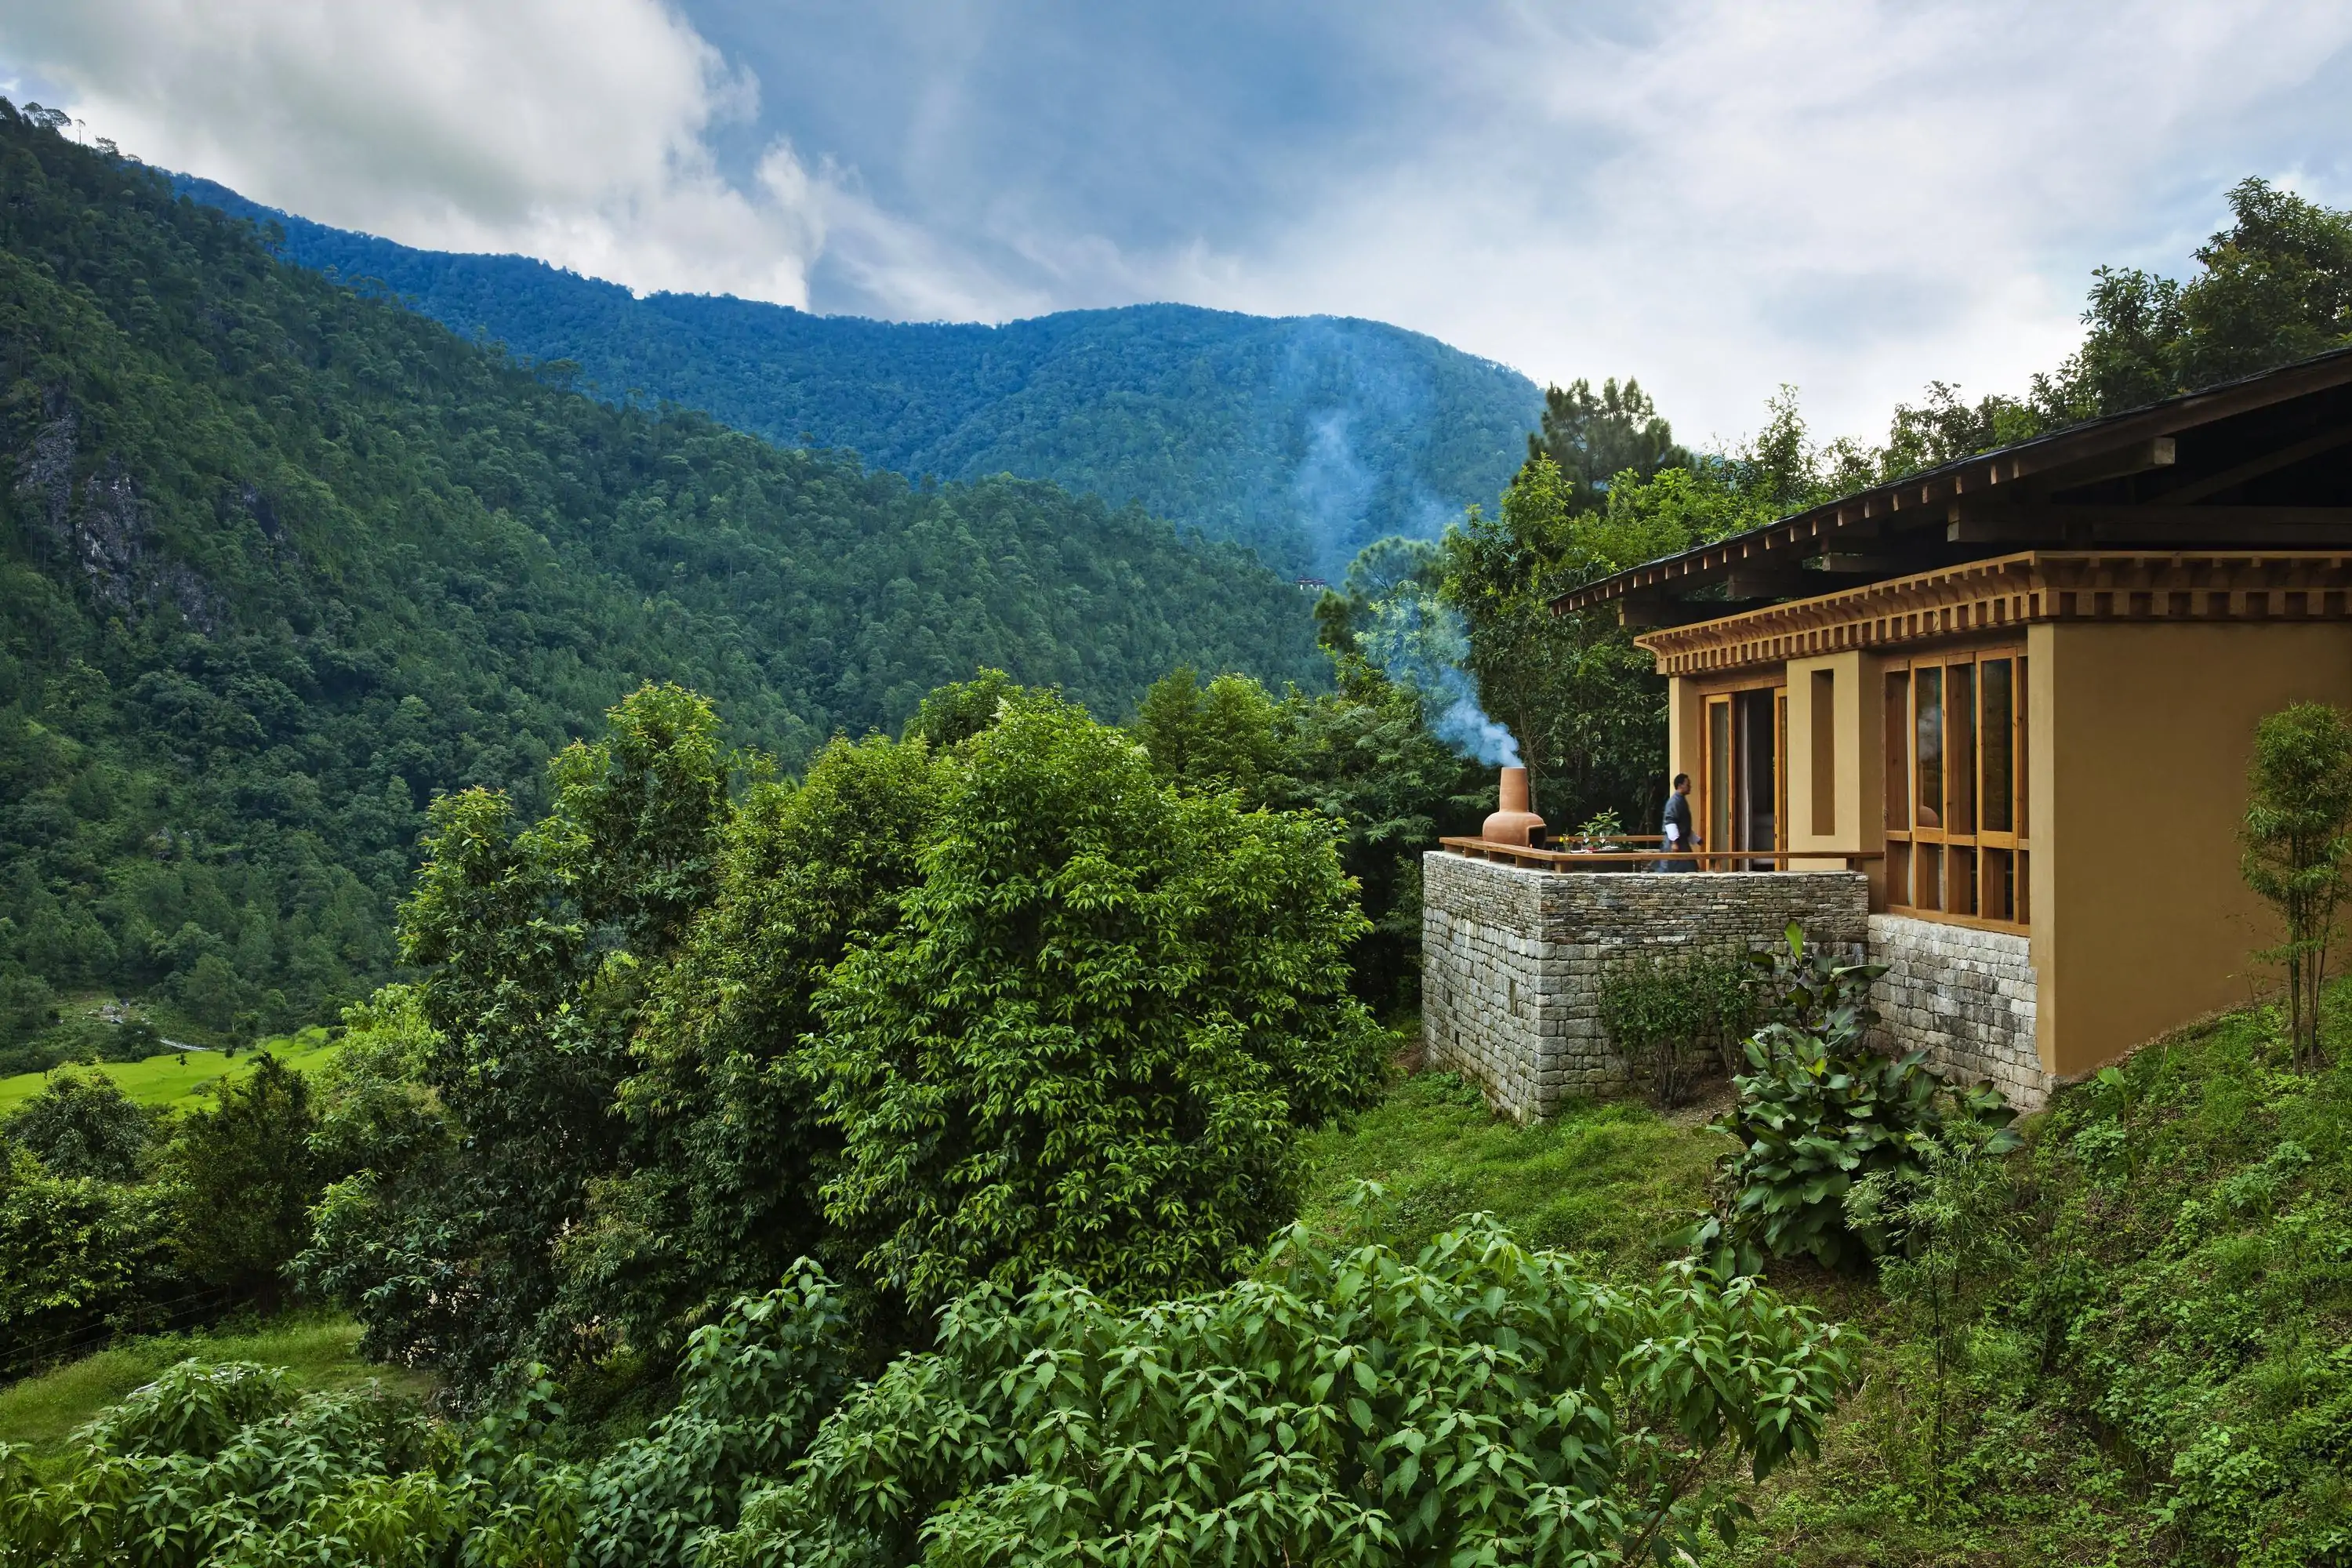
(1512, 960)
(1964, 996)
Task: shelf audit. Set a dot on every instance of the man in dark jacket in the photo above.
(1680, 832)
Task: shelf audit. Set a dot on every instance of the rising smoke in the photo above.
(1421, 642)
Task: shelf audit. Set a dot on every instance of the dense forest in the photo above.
(1305, 438)
(283, 563)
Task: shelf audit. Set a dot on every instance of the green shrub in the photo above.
(217, 1465)
(83, 1124)
(1483, 1403)
(1814, 1118)
(1805, 988)
(243, 1176)
(1668, 1017)
(2297, 839)
(754, 1387)
(79, 1259)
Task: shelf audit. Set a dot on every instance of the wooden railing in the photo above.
(1573, 859)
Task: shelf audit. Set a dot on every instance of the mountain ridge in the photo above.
(279, 564)
(1303, 437)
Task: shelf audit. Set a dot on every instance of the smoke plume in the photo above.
(1421, 642)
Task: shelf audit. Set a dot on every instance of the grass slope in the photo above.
(2165, 1377)
(1616, 1182)
(318, 1352)
(172, 1078)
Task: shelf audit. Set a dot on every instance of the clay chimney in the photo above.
(1514, 823)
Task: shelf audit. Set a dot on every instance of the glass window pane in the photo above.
(2000, 718)
(1756, 826)
(1898, 749)
(1928, 749)
(1718, 775)
(2024, 781)
(1961, 750)
(2000, 887)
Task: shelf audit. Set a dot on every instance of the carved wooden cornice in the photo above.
(1978, 596)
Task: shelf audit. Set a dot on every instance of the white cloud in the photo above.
(1718, 197)
(572, 129)
(1853, 196)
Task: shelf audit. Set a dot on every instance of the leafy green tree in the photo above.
(81, 1124)
(1481, 1403)
(1093, 1038)
(243, 1176)
(2297, 839)
(538, 947)
(1585, 705)
(1594, 438)
(81, 1259)
(2276, 286)
(1218, 737)
(726, 1143)
(1362, 755)
(951, 715)
(375, 1112)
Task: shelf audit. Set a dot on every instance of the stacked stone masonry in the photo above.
(1513, 961)
(1966, 998)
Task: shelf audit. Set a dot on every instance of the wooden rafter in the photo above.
(2012, 591)
(2125, 444)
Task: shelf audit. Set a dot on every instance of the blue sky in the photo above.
(1716, 195)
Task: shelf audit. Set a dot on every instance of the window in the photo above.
(1955, 786)
(1746, 785)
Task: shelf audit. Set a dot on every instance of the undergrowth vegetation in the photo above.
(2162, 1371)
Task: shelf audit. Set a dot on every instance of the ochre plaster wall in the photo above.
(1860, 804)
(1683, 711)
(2139, 735)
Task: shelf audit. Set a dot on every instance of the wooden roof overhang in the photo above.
(2014, 591)
(2262, 463)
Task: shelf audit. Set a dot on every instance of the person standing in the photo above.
(1680, 832)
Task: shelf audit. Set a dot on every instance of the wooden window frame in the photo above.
(1723, 692)
(1980, 844)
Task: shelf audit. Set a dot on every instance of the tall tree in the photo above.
(1593, 436)
(538, 946)
(1091, 1044)
(2276, 286)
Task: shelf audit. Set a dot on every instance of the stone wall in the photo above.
(1512, 960)
(1966, 998)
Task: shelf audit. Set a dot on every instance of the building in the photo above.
(1989, 723)
(2020, 690)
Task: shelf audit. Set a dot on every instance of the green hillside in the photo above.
(171, 1078)
(278, 565)
(1306, 437)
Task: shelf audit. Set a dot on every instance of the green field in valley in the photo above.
(172, 1076)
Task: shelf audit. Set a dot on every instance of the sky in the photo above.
(1717, 196)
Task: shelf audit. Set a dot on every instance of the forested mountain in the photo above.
(278, 563)
(1305, 438)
